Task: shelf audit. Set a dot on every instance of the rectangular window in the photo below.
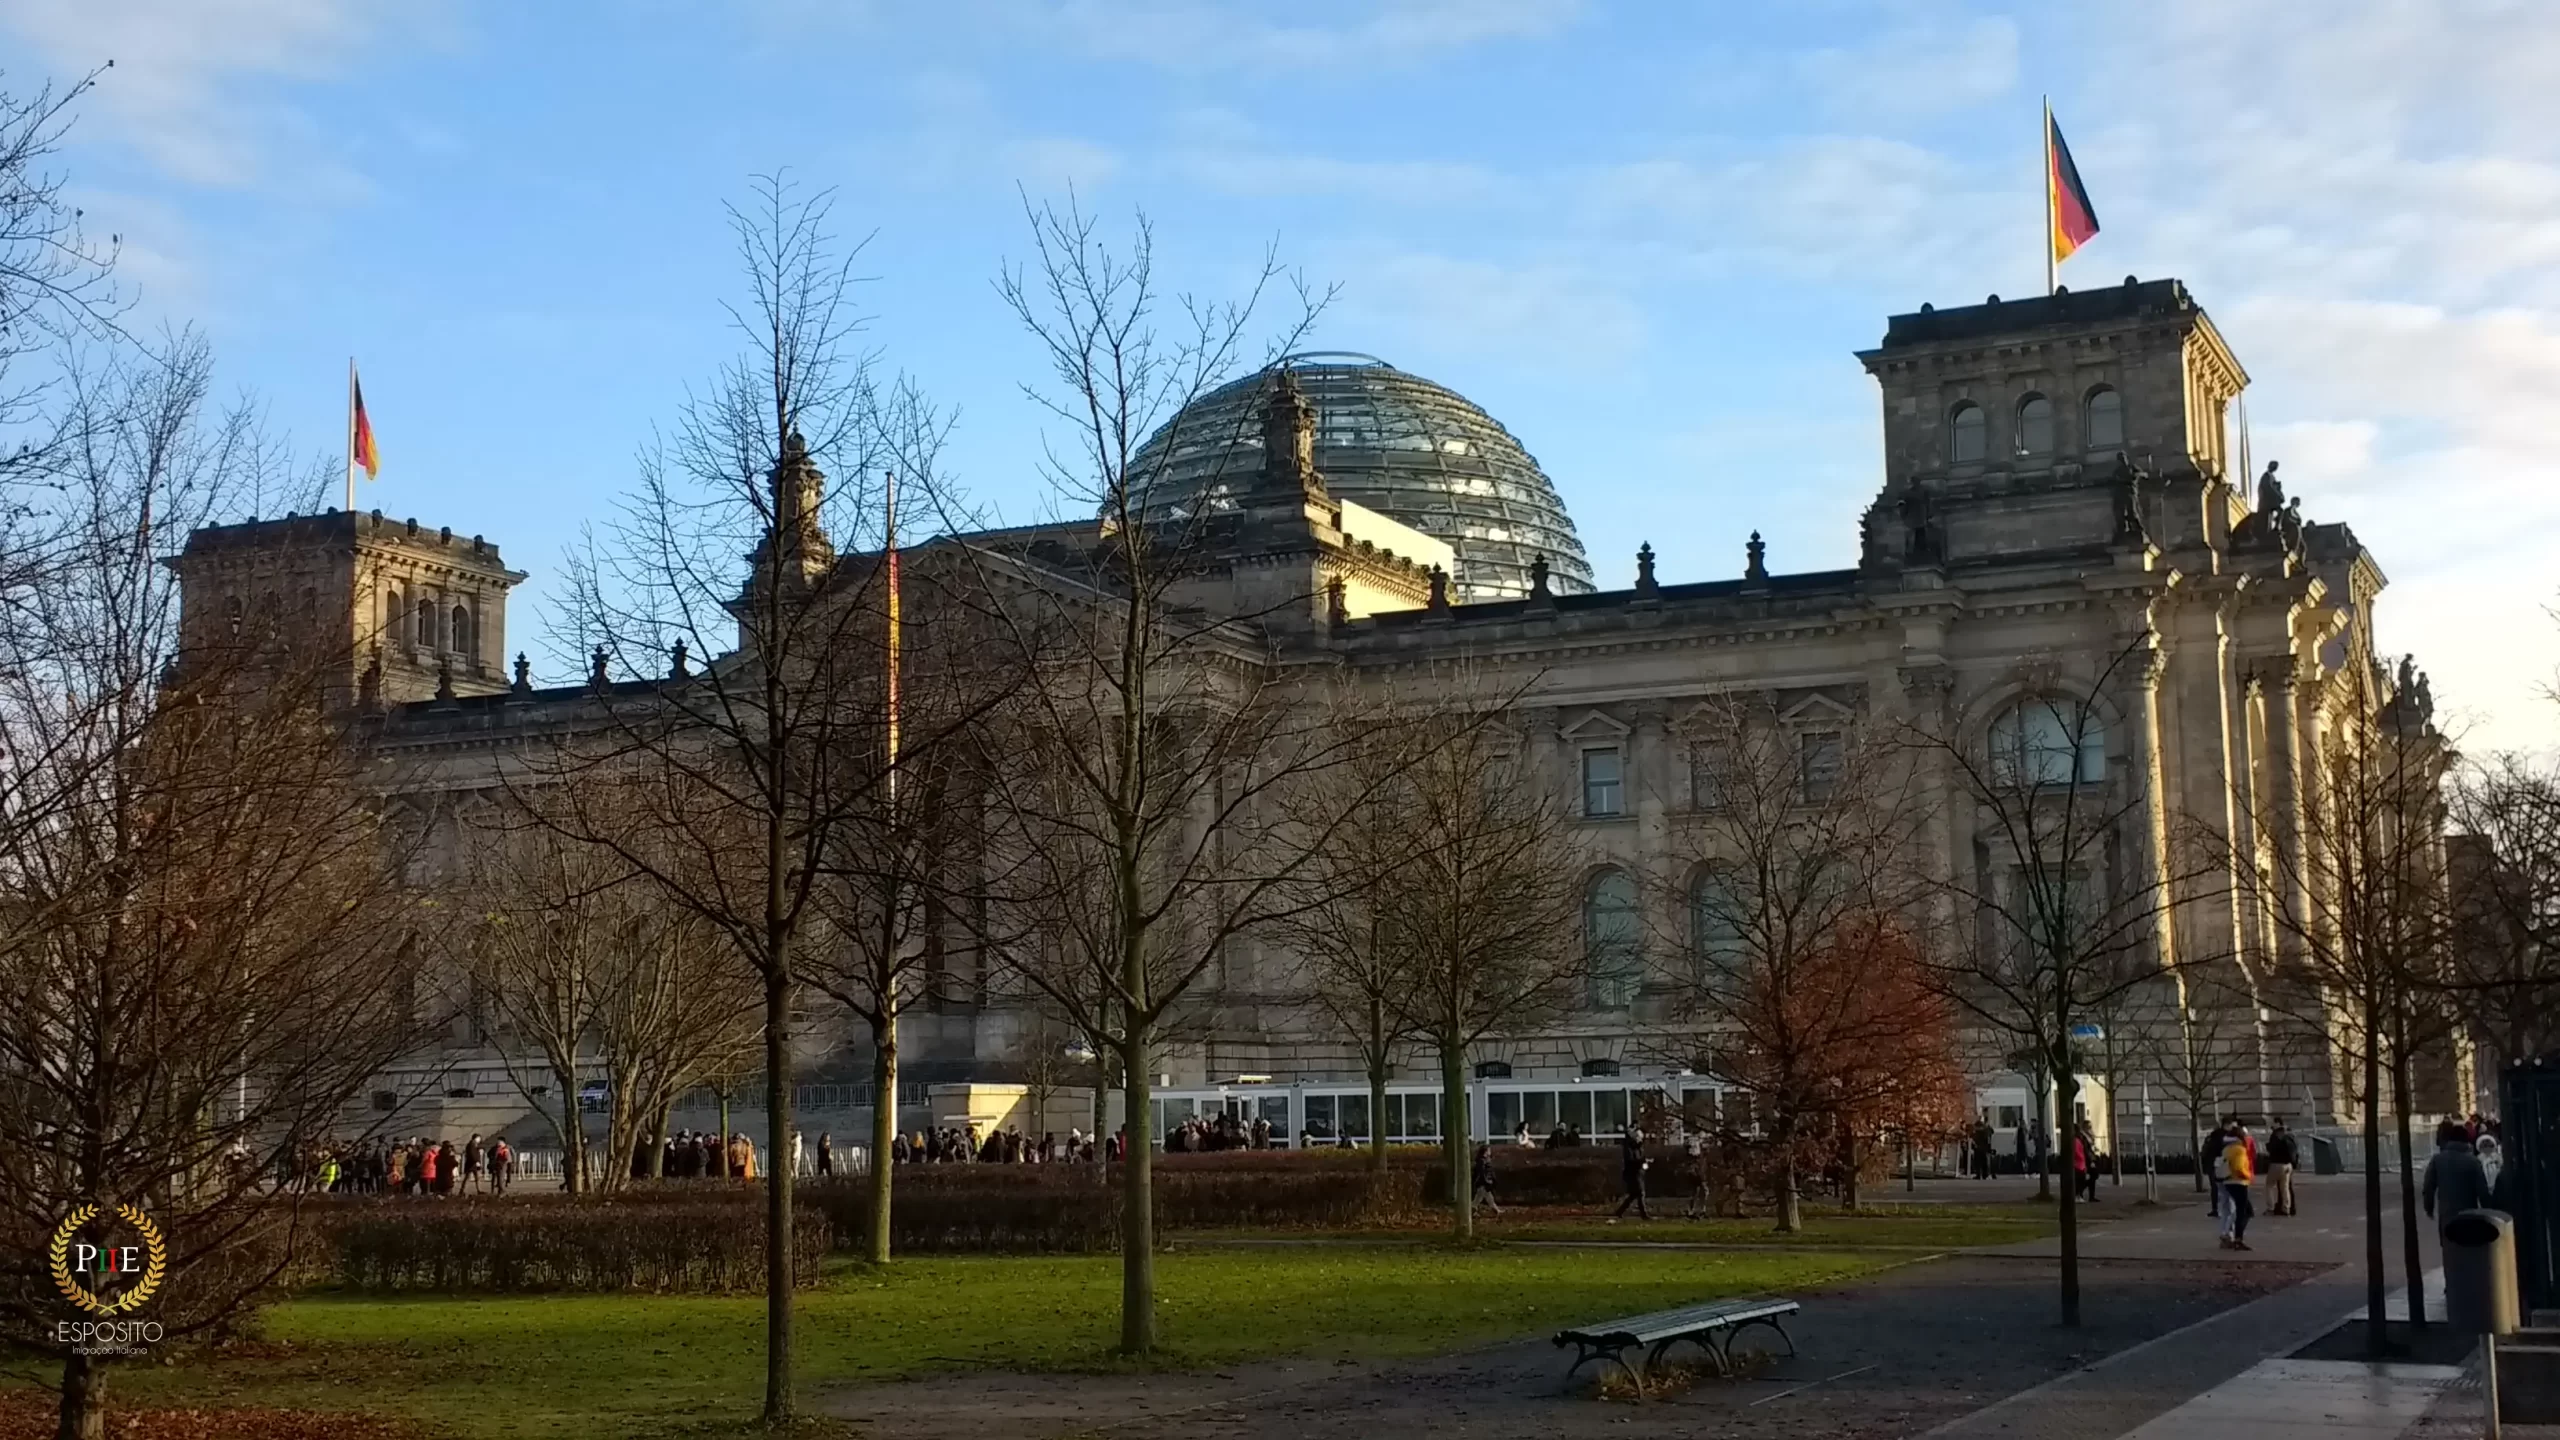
(1608, 1111)
(1819, 756)
(1706, 777)
(1573, 1108)
(1698, 1110)
(1603, 783)
(1320, 1116)
(1538, 1107)
(1421, 1116)
(1353, 1113)
(1501, 1113)
(2012, 1116)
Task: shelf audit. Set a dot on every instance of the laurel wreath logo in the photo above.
(59, 1255)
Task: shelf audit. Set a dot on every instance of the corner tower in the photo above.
(2048, 396)
(429, 606)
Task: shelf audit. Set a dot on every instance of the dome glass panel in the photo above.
(1415, 452)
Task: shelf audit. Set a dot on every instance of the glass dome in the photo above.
(1415, 452)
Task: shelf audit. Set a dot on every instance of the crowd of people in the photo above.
(701, 1155)
(963, 1145)
(415, 1166)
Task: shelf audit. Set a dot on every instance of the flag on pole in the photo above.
(360, 449)
(2073, 221)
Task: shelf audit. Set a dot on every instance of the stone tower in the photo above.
(428, 606)
(2006, 425)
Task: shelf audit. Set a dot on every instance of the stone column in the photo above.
(2140, 703)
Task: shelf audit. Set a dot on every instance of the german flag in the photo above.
(360, 449)
(2074, 221)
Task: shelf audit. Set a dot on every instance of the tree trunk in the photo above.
(1790, 1198)
(1378, 1065)
(2067, 1091)
(84, 1400)
(1137, 1202)
(2411, 1262)
(2044, 1139)
(778, 1248)
(573, 1140)
(884, 1128)
(2378, 1323)
(1453, 1135)
(658, 1141)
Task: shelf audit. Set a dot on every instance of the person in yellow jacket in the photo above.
(2239, 1168)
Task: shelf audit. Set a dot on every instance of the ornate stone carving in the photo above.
(1755, 565)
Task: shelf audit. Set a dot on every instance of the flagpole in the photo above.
(2045, 184)
(889, 556)
(350, 433)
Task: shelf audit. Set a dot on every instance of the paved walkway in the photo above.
(2308, 1400)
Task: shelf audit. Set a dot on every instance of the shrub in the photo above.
(701, 1244)
(1075, 1209)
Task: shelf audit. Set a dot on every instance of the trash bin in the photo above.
(2325, 1159)
(2480, 1273)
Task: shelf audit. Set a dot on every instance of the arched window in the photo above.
(2035, 426)
(1715, 932)
(2105, 430)
(395, 616)
(462, 636)
(427, 626)
(2048, 742)
(1967, 434)
(1611, 941)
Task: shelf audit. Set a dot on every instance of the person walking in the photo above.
(826, 1154)
(502, 1166)
(1693, 1158)
(1480, 1179)
(1631, 1168)
(2456, 1180)
(2283, 1152)
(2239, 1167)
(2084, 1162)
(474, 1157)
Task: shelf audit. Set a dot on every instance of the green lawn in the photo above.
(592, 1366)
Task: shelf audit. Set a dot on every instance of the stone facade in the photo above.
(2059, 516)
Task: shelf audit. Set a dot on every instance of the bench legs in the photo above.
(1717, 1343)
(1607, 1355)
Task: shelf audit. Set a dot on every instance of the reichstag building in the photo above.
(2059, 485)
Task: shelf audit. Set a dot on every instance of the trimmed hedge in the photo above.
(684, 1243)
(1076, 1209)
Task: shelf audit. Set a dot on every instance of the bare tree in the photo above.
(737, 782)
(1356, 975)
(579, 958)
(2504, 873)
(1480, 899)
(203, 938)
(903, 878)
(2074, 879)
(2355, 888)
(1146, 757)
(1787, 876)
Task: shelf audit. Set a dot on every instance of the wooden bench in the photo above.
(1711, 1328)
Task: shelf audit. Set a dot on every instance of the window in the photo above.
(1320, 1116)
(1608, 1111)
(1818, 762)
(1573, 1110)
(1610, 940)
(2106, 420)
(1706, 776)
(2048, 742)
(1501, 1114)
(2012, 1116)
(461, 630)
(1967, 437)
(385, 1100)
(1715, 932)
(2035, 426)
(426, 635)
(1602, 1066)
(1603, 782)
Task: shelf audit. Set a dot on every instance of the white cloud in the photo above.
(2367, 195)
(1492, 314)
(1931, 64)
(192, 83)
(1218, 35)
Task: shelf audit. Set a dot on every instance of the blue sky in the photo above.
(1647, 237)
